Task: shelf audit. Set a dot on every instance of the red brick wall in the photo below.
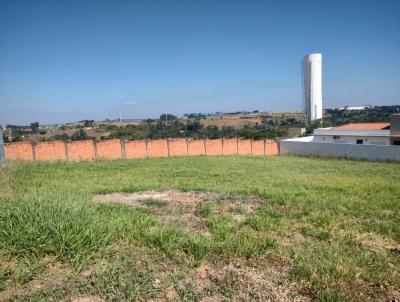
(108, 149)
(230, 146)
(178, 147)
(272, 148)
(196, 147)
(258, 148)
(244, 147)
(80, 150)
(50, 150)
(111, 149)
(20, 150)
(157, 148)
(214, 146)
(135, 149)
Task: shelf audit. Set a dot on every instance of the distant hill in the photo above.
(340, 116)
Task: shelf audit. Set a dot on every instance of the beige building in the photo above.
(361, 133)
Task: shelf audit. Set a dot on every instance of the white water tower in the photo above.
(313, 86)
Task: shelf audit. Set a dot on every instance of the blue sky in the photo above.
(70, 60)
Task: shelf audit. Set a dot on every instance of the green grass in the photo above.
(204, 209)
(334, 222)
(153, 203)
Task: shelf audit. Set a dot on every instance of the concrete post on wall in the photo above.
(122, 142)
(66, 150)
(257, 147)
(1, 147)
(33, 151)
(94, 149)
(265, 147)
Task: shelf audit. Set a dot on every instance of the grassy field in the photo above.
(252, 229)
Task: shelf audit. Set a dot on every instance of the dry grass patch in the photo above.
(27, 277)
(265, 279)
(379, 243)
(188, 210)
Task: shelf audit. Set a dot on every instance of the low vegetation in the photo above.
(335, 116)
(191, 229)
(249, 125)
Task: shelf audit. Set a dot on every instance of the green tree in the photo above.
(60, 137)
(79, 135)
(35, 126)
(88, 123)
(166, 117)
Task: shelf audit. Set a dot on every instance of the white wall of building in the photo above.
(367, 140)
(337, 136)
(303, 146)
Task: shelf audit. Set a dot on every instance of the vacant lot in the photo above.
(200, 229)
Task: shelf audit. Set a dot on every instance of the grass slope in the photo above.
(333, 223)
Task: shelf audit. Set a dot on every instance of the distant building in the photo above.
(351, 108)
(371, 141)
(312, 80)
(361, 133)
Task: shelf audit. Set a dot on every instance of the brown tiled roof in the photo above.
(364, 126)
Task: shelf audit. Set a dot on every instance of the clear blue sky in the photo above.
(70, 60)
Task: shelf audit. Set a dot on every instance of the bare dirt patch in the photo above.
(240, 280)
(296, 240)
(186, 209)
(377, 242)
(228, 279)
(32, 278)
